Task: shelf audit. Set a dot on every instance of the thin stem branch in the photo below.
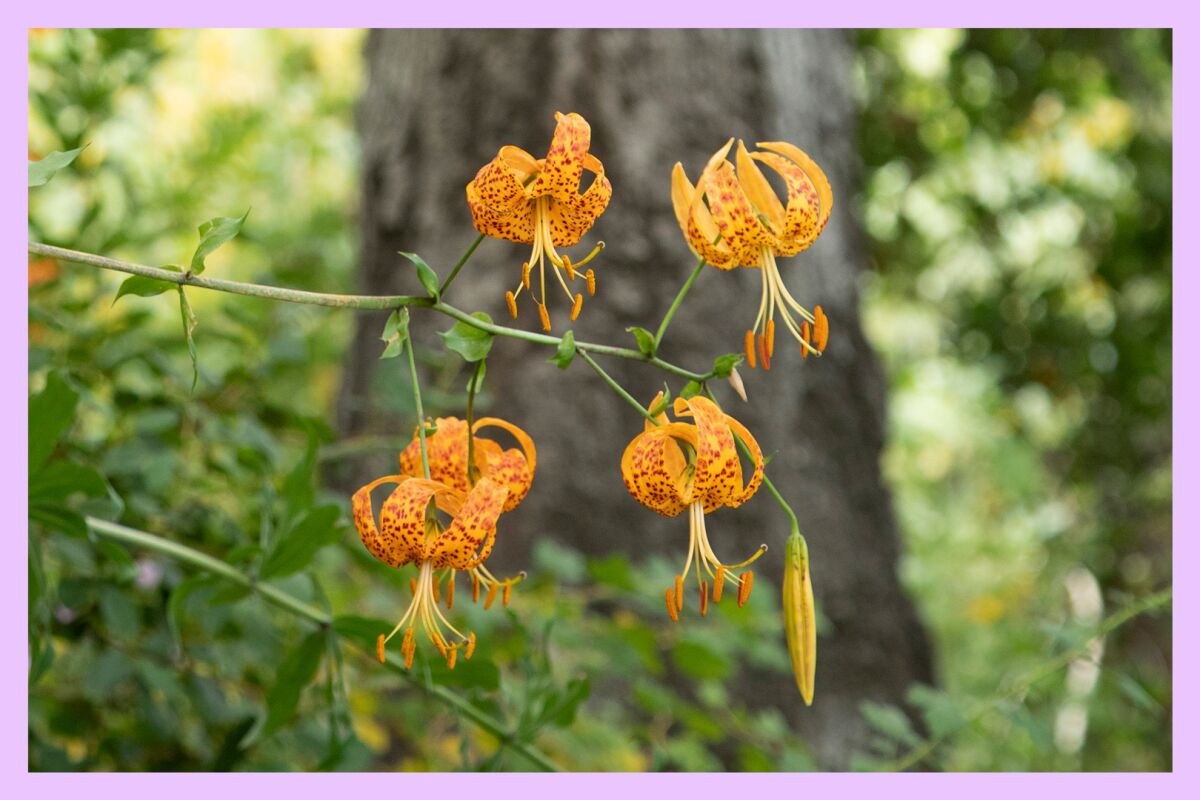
(466, 256)
(363, 302)
(687, 286)
(366, 302)
(1143, 605)
(416, 385)
(616, 387)
(287, 602)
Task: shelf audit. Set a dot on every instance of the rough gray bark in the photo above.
(440, 103)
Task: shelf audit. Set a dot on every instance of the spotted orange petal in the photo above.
(653, 467)
(810, 198)
(473, 527)
(570, 219)
(744, 493)
(758, 190)
(734, 216)
(718, 473)
(563, 166)
(500, 204)
(511, 468)
(697, 223)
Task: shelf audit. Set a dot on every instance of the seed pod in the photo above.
(735, 382)
(799, 614)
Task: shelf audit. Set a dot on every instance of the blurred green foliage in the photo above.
(1017, 197)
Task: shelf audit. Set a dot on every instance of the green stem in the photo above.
(1143, 605)
(364, 302)
(472, 388)
(412, 371)
(687, 286)
(459, 265)
(616, 387)
(287, 602)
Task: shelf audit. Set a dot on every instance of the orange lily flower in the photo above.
(744, 224)
(408, 534)
(513, 468)
(537, 201)
(662, 476)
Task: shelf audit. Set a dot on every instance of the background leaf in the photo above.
(40, 172)
(214, 233)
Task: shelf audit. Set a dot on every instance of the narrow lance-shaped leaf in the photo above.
(296, 671)
(294, 550)
(645, 340)
(425, 275)
(214, 233)
(189, 326)
(142, 286)
(51, 412)
(40, 172)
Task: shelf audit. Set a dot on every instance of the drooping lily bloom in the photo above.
(734, 219)
(537, 201)
(694, 466)
(513, 468)
(408, 533)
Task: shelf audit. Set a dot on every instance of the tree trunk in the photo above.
(438, 106)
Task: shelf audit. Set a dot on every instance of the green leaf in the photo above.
(723, 365)
(566, 351)
(890, 721)
(395, 333)
(296, 671)
(298, 486)
(51, 412)
(189, 327)
(561, 711)
(40, 172)
(295, 550)
(425, 274)
(119, 613)
(177, 604)
(59, 479)
(468, 341)
(60, 519)
(700, 661)
(692, 389)
(645, 340)
(143, 286)
(214, 233)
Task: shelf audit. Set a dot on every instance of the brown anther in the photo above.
(820, 329)
(679, 593)
(450, 592)
(440, 644)
(575, 309)
(451, 658)
(590, 277)
(545, 315)
(525, 275)
(704, 598)
(806, 335)
(718, 584)
(750, 349)
(744, 587)
(511, 300)
(770, 338)
(412, 586)
(762, 351)
(379, 643)
(569, 267)
(506, 595)
(408, 656)
(437, 591)
(407, 642)
(491, 597)
(474, 588)
(470, 645)
(671, 612)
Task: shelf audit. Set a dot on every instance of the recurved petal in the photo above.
(740, 229)
(473, 527)
(563, 165)
(744, 493)
(810, 198)
(696, 222)
(758, 190)
(364, 520)
(571, 218)
(499, 204)
(718, 475)
(653, 468)
(447, 450)
(511, 468)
